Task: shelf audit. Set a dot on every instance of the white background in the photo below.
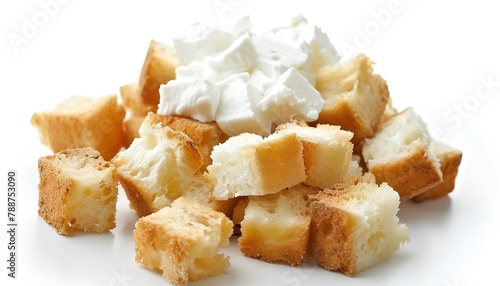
(434, 56)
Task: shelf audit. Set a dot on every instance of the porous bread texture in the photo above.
(327, 152)
(133, 102)
(355, 168)
(400, 155)
(182, 241)
(247, 164)
(276, 226)
(355, 97)
(83, 121)
(160, 166)
(77, 191)
(158, 68)
(205, 135)
(449, 159)
(354, 226)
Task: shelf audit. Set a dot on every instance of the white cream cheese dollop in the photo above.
(247, 81)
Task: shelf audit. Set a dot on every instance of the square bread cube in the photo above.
(82, 121)
(355, 97)
(158, 68)
(354, 225)
(160, 166)
(205, 135)
(327, 152)
(182, 241)
(247, 165)
(449, 159)
(275, 227)
(77, 191)
(400, 155)
(133, 102)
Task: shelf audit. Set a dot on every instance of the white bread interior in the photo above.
(354, 225)
(183, 240)
(327, 152)
(158, 167)
(83, 121)
(449, 160)
(275, 227)
(400, 155)
(77, 191)
(355, 97)
(247, 164)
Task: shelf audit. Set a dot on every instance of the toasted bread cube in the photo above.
(205, 135)
(158, 68)
(354, 226)
(225, 206)
(77, 191)
(247, 164)
(182, 241)
(400, 155)
(158, 167)
(355, 97)
(276, 226)
(81, 121)
(327, 152)
(449, 159)
(133, 102)
(131, 125)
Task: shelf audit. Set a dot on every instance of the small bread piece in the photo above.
(182, 241)
(205, 135)
(327, 152)
(354, 225)
(82, 121)
(400, 155)
(158, 167)
(276, 226)
(158, 68)
(133, 102)
(449, 159)
(247, 165)
(226, 206)
(77, 191)
(131, 125)
(355, 97)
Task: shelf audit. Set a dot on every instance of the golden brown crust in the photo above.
(174, 248)
(279, 162)
(330, 245)
(133, 102)
(345, 115)
(55, 185)
(100, 128)
(411, 175)
(205, 135)
(158, 68)
(139, 199)
(225, 206)
(253, 243)
(348, 83)
(131, 125)
(53, 189)
(331, 241)
(136, 195)
(449, 167)
(151, 237)
(239, 210)
(194, 158)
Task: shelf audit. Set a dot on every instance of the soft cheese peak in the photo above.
(247, 81)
